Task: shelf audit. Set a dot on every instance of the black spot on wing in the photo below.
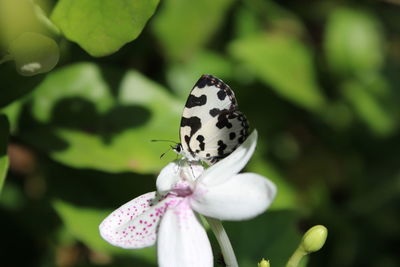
(221, 147)
(223, 90)
(216, 111)
(209, 80)
(232, 135)
(244, 132)
(223, 121)
(200, 138)
(187, 139)
(194, 101)
(202, 82)
(206, 80)
(221, 94)
(193, 122)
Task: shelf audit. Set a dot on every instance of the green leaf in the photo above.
(175, 23)
(102, 27)
(3, 170)
(283, 63)
(353, 42)
(12, 112)
(27, 36)
(254, 15)
(34, 53)
(272, 235)
(182, 76)
(93, 128)
(13, 85)
(82, 80)
(375, 113)
(4, 131)
(18, 17)
(83, 223)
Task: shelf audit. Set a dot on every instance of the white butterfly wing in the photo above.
(210, 118)
(220, 136)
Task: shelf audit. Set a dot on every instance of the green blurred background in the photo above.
(85, 85)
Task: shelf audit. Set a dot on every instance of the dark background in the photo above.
(319, 80)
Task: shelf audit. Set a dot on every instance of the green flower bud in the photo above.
(314, 239)
(263, 263)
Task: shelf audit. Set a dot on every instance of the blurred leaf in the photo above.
(272, 235)
(83, 80)
(41, 9)
(101, 131)
(4, 131)
(3, 170)
(182, 76)
(24, 33)
(83, 186)
(83, 224)
(254, 15)
(353, 42)
(12, 112)
(375, 114)
(102, 27)
(34, 53)
(338, 115)
(27, 36)
(175, 23)
(246, 23)
(12, 197)
(13, 85)
(18, 17)
(283, 63)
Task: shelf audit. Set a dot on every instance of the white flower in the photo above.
(169, 216)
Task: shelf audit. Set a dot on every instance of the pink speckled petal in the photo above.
(231, 165)
(182, 240)
(135, 224)
(241, 197)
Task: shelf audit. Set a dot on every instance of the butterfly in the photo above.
(211, 127)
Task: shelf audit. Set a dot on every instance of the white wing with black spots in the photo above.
(211, 125)
(212, 143)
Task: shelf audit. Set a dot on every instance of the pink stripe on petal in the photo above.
(135, 224)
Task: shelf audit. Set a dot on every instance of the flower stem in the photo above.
(223, 241)
(296, 257)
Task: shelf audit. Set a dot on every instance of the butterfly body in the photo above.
(211, 125)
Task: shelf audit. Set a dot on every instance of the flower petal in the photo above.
(168, 176)
(135, 224)
(244, 196)
(177, 171)
(182, 240)
(232, 164)
(191, 170)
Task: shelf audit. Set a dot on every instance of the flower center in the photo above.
(182, 189)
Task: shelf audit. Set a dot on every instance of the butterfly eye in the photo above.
(178, 148)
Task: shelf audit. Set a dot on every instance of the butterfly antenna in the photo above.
(162, 155)
(162, 140)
